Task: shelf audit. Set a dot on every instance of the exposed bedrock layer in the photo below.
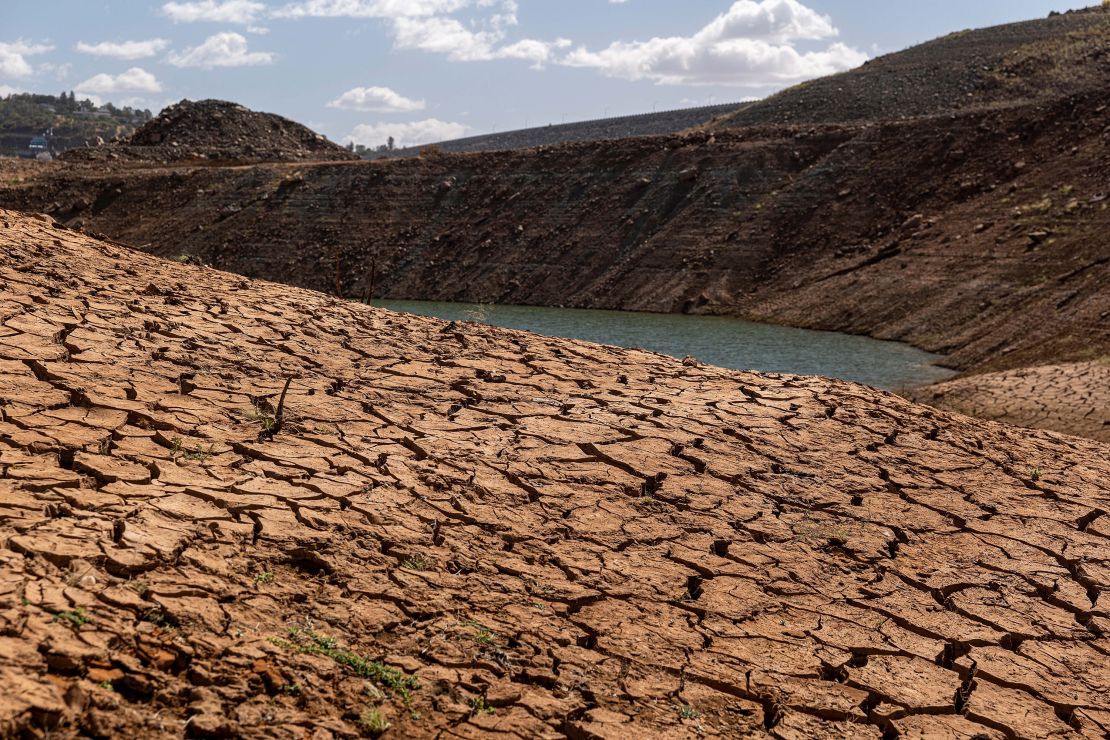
(230, 507)
(981, 235)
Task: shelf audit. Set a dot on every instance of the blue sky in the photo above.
(425, 70)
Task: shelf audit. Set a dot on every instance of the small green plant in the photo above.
(106, 685)
(259, 414)
(483, 635)
(308, 642)
(76, 617)
(176, 447)
(1035, 474)
(478, 706)
(688, 712)
(373, 722)
(200, 454)
(416, 562)
(263, 578)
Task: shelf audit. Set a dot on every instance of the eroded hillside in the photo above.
(980, 235)
(1016, 63)
(235, 508)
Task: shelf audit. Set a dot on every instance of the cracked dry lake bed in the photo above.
(230, 508)
(716, 340)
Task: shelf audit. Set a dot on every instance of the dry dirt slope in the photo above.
(467, 531)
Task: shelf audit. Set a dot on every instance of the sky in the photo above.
(429, 70)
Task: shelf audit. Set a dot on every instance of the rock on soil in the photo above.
(235, 508)
(220, 131)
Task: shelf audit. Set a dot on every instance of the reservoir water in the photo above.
(726, 342)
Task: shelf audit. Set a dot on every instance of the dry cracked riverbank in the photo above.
(1073, 398)
(462, 531)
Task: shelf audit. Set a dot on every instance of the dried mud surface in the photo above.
(1072, 398)
(464, 531)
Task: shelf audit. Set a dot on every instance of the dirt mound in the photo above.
(235, 508)
(1023, 62)
(220, 131)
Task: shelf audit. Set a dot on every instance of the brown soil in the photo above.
(1072, 398)
(554, 538)
(219, 131)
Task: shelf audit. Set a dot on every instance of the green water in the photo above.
(731, 343)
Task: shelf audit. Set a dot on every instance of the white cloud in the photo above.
(134, 80)
(428, 25)
(13, 57)
(60, 71)
(377, 100)
(124, 49)
(414, 133)
(6, 90)
(371, 8)
(221, 50)
(243, 12)
(747, 45)
(448, 36)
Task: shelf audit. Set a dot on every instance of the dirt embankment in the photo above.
(1072, 398)
(980, 235)
(449, 528)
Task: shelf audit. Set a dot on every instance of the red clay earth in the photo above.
(233, 508)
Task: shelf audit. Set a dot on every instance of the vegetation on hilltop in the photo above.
(71, 122)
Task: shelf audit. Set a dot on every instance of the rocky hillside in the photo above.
(232, 508)
(1032, 61)
(645, 124)
(216, 130)
(980, 235)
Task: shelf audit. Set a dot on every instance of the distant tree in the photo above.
(391, 145)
